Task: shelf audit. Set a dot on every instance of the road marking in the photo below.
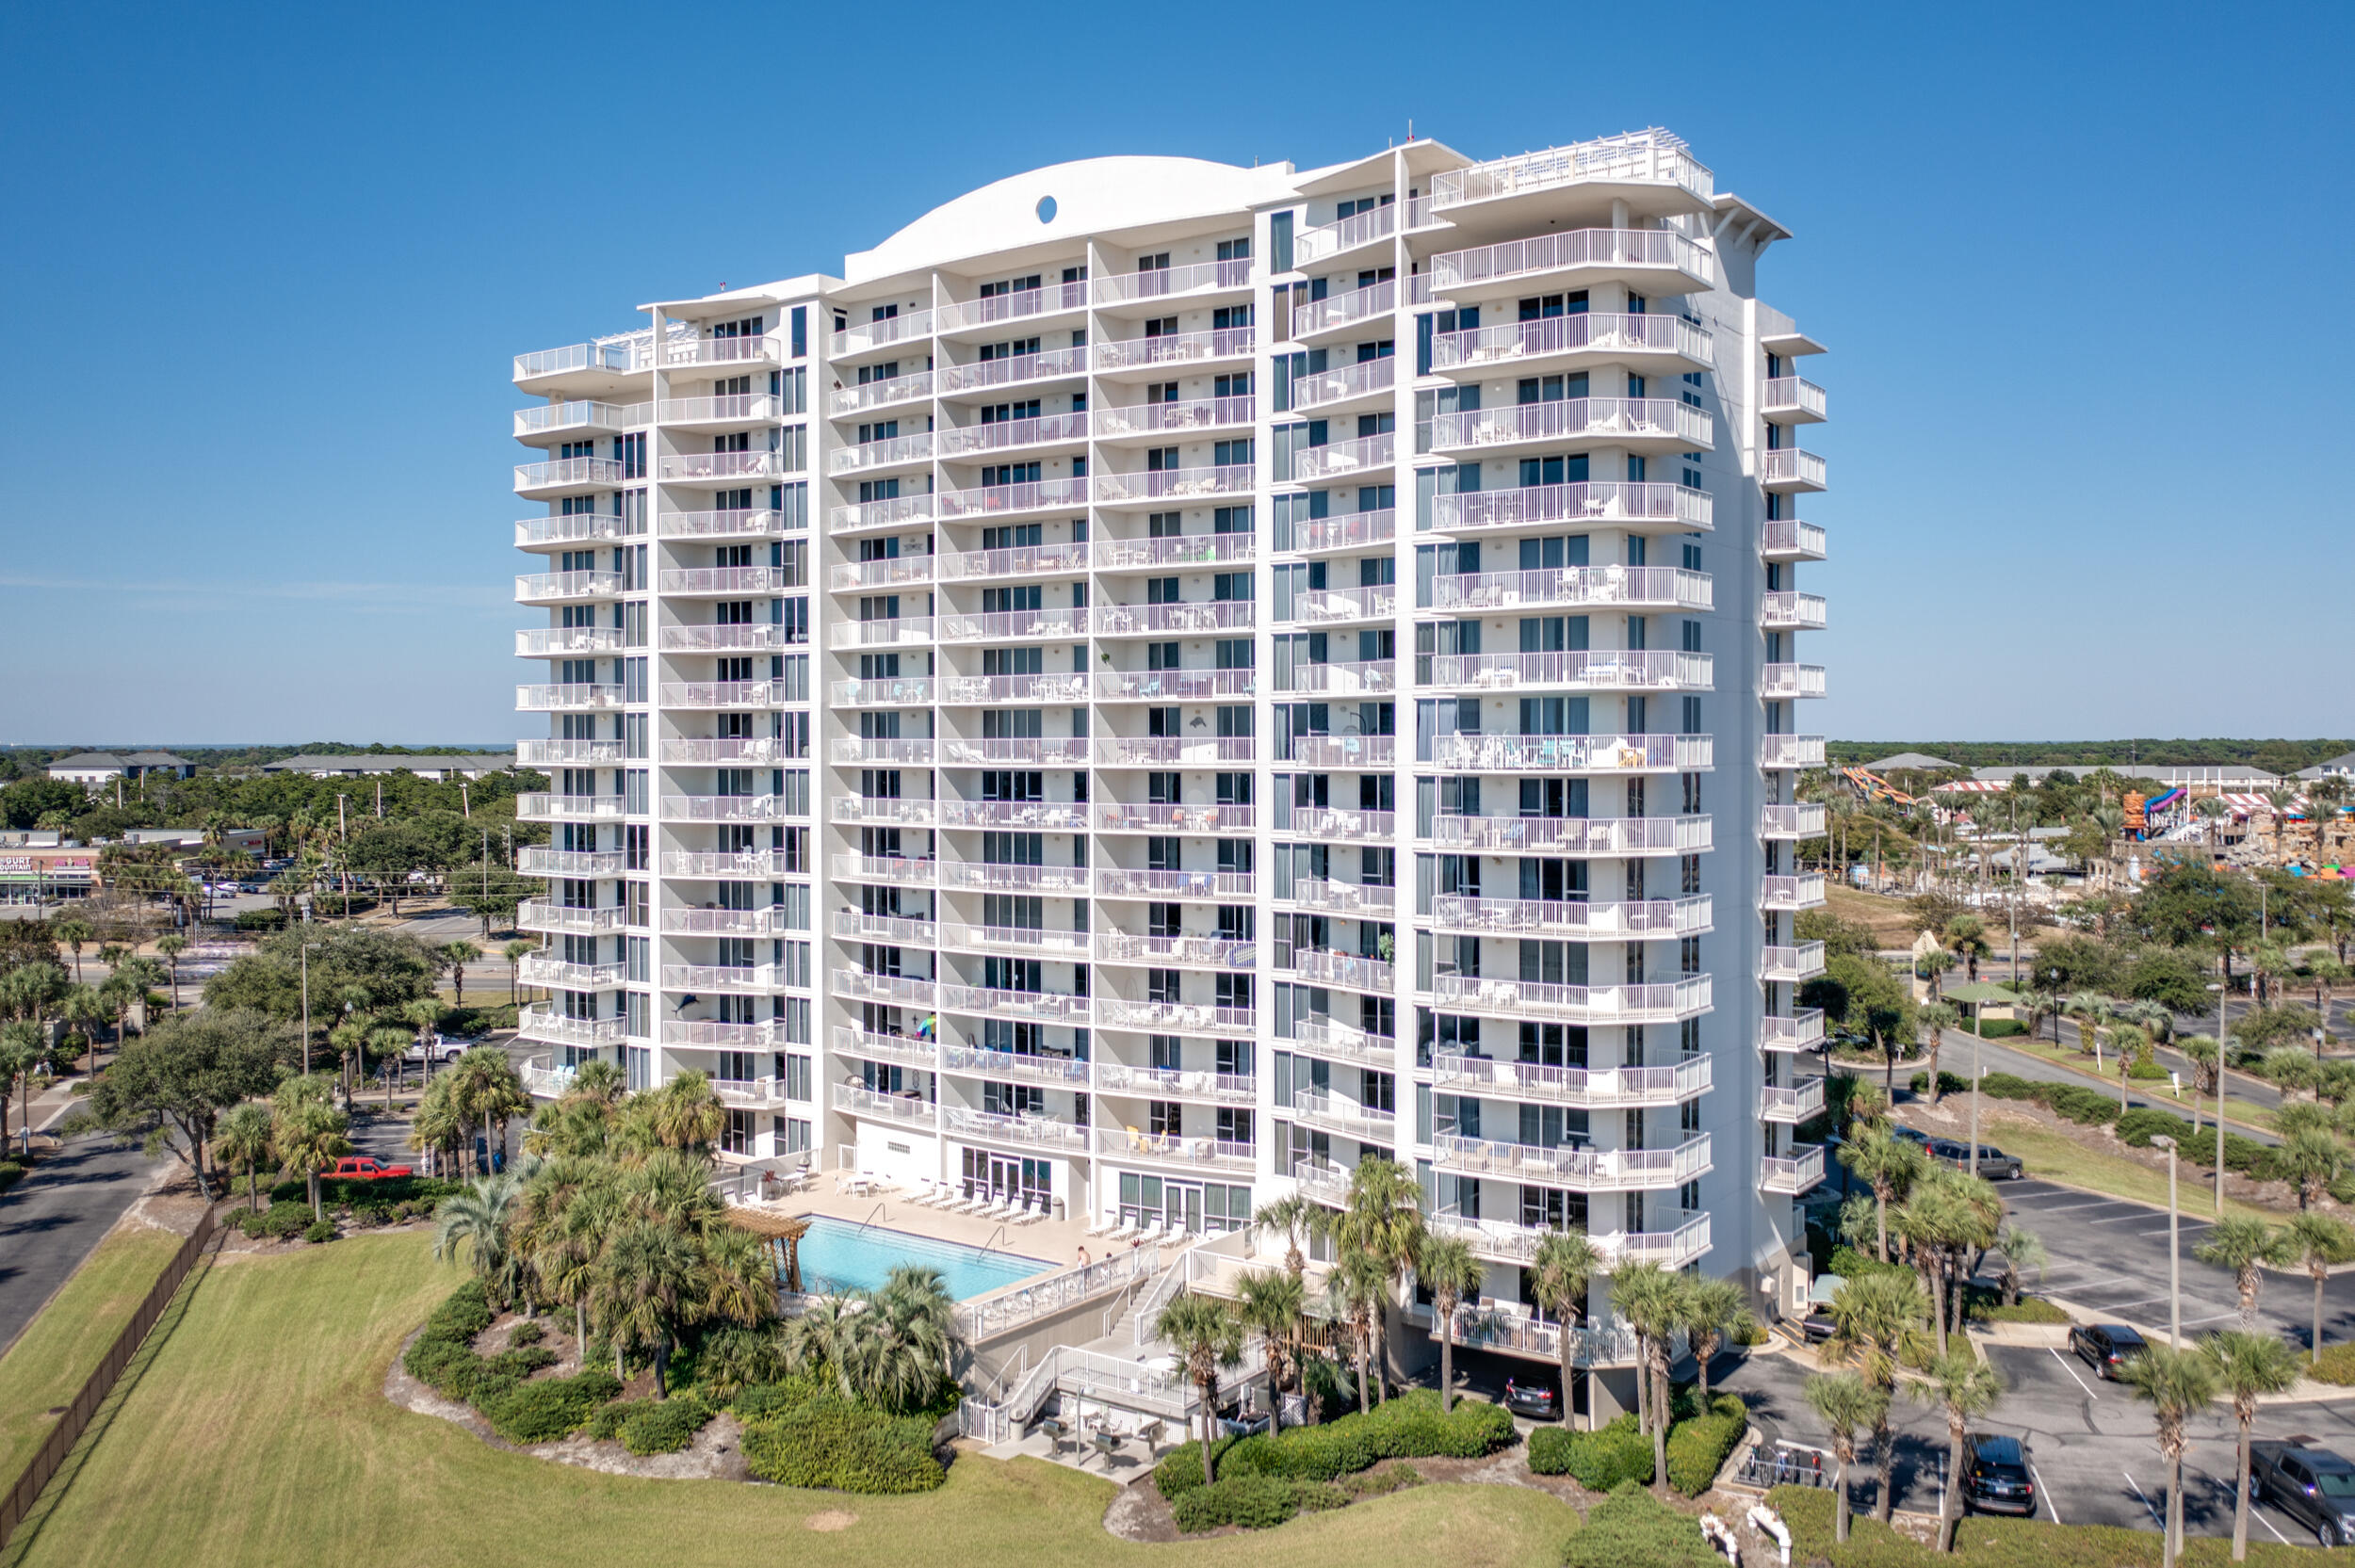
(2073, 1372)
(2046, 1490)
(2146, 1502)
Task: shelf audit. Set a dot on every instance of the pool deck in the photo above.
(1056, 1241)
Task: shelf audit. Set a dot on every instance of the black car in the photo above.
(1536, 1398)
(1911, 1135)
(2107, 1346)
(1997, 1481)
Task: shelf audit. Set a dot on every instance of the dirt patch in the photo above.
(829, 1521)
(1138, 1511)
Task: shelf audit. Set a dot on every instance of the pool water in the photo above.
(837, 1255)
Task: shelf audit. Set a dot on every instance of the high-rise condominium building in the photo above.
(1164, 680)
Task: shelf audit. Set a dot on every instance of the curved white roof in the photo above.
(1091, 196)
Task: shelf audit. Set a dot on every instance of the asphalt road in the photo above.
(50, 1219)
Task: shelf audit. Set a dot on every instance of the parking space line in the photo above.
(2073, 1372)
(2046, 1490)
(2146, 1502)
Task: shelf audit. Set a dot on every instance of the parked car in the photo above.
(2313, 1486)
(1817, 1326)
(365, 1168)
(2107, 1346)
(1911, 1135)
(1994, 1165)
(439, 1048)
(1534, 1397)
(1998, 1479)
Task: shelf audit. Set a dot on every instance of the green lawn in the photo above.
(260, 1435)
(61, 1348)
(2053, 1157)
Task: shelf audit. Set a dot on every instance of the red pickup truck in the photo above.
(365, 1168)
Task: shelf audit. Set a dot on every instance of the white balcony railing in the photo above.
(727, 522)
(580, 527)
(1019, 305)
(1604, 501)
(1791, 469)
(1344, 826)
(1029, 560)
(895, 870)
(549, 642)
(1571, 586)
(997, 436)
(538, 914)
(620, 356)
(540, 1023)
(686, 352)
(1648, 249)
(1802, 1031)
(734, 864)
(706, 467)
(987, 877)
(891, 451)
(740, 408)
(1017, 1067)
(1367, 602)
(1783, 609)
(1118, 1013)
(1113, 881)
(541, 806)
(1603, 420)
(1343, 310)
(1790, 680)
(1803, 820)
(1586, 1169)
(1030, 1131)
(865, 335)
(1792, 963)
(1327, 240)
(1200, 413)
(1800, 891)
(1331, 1038)
(534, 588)
(725, 694)
(1192, 952)
(1599, 670)
(1004, 625)
(1119, 817)
(992, 691)
(1321, 388)
(1788, 537)
(1598, 1088)
(877, 394)
(545, 969)
(1013, 369)
(1611, 920)
(1174, 685)
(1793, 396)
(1054, 751)
(1353, 531)
(538, 860)
(1339, 1113)
(1790, 751)
(727, 580)
(1235, 1088)
(1176, 484)
(1792, 1174)
(1205, 615)
(568, 753)
(1652, 157)
(1353, 678)
(1575, 837)
(1123, 1144)
(579, 697)
(1170, 751)
(1340, 459)
(895, 631)
(1114, 288)
(897, 512)
(1605, 335)
(569, 474)
(1225, 343)
(1348, 900)
(1665, 1002)
(550, 419)
(1576, 754)
(994, 500)
(875, 1105)
(1173, 550)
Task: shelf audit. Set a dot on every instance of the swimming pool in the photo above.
(837, 1255)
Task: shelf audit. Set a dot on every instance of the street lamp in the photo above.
(2174, 1248)
(2218, 988)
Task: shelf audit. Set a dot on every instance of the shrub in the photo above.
(1598, 1460)
(2337, 1366)
(2007, 1086)
(2031, 1309)
(260, 919)
(321, 1230)
(652, 1426)
(1410, 1427)
(370, 1216)
(812, 1437)
(2002, 1029)
(1948, 1083)
(544, 1410)
(1631, 1528)
(1698, 1447)
(286, 1219)
(524, 1334)
(2089, 1108)
(1255, 1502)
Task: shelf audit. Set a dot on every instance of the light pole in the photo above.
(2175, 1249)
(2219, 989)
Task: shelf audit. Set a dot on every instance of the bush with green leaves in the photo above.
(1697, 1447)
(11, 1172)
(322, 1230)
(551, 1408)
(1410, 1427)
(525, 1333)
(1253, 1502)
(1631, 1528)
(1948, 1083)
(283, 1221)
(663, 1426)
(798, 1433)
(344, 1192)
(2028, 1309)
(1598, 1460)
(2002, 1029)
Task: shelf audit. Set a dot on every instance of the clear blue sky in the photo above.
(267, 267)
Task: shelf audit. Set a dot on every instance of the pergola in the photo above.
(782, 1232)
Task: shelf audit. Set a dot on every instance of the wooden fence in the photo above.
(77, 1418)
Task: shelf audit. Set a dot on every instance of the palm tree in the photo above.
(1354, 1293)
(455, 956)
(2024, 1254)
(1711, 1306)
(2201, 1054)
(688, 1115)
(1382, 1219)
(73, 931)
(601, 1081)
(901, 1345)
(821, 1337)
(244, 1141)
(2323, 798)
(1448, 1270)
(647, 1279)
(1652, 1300)
(172, 945)
(489, 1090)
(84, 1008)
(439, 1127)
(480, 1217)
(2248, 1366)
(1294, 1218)
(1932, 1023)
(423, 1014)
(2245, 1244)
(2314, 1159)
(2176, 1385)
(310, 1138)
(1879, 1316)
(20, 1059)
(1271, 1303)
(2319, 1241)
(515, 952)
(1962, 1385)
(1967, 935)
(1207, 1337)
(2043, 1003)
(1934, 964)
(1565, 1264)
(1846, 1402)
(1890, 1165)
(566, 1254)
(2093, 1013)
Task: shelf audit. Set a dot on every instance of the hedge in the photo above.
(1948, 1083)
(2030, 1309)
(1598, 1460)
(551, 1408)
(442, 1357)
(2246, 1156)
(390, 1191)
(663, 1426)
(1252, 1501)
(796, 1436)
(2002, 1029)
(1410, 1427)
(1631, 1528)
(2337, 1366)
(1698, 1447)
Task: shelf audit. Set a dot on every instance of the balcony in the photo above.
(1611, 503)
(890, 870)
(581, 527)
(568, 476)
(1793, 1174)
(1119, 817)
(869, 335)
(1170, 751)
(895, 930)
(739, 865)
(1336, 1114)
(866, 457)
(726, 582)
(1357, 530)
(1578, 837)
(1791, 401)
(728, 522)
(564, 588)
(568, 753)
(906, 1108)
(1637, 920)
(733, 979)
(1052, 881)
(1019, 752)
(538, 860)
(1791, 682)
(1172, 1083)
(851, 1041)
(1514, 1333)
(1017, 368)
(899, 512)
(765, 920)
(1340, 459)
(894, 631)
(1801, 892)
(724, 808)
(1574, 588)
(1353, 678)
(588, 362)
(1790, 751)
(1142, 353)
(1030, 561)
(998, 436)
(1041, 1007)
(1163, 419)
(1804, 820)
(1118, 1013)
(1013, 625)
(1664, 1003)
(1783, 610)
(719, 467)
(545, 969)
(1351, 901)
(1651, 158)
(1323, 1181)
(753, 637)
(1594, 1087)
(1507, 1242)
(723, 751)
(1053, 817)
(1573, 753)
(579, 697)
(1331, 389)
(1113, 555)
(1113, 881)
(1655, 262)
(1169, 283)
(1794, 1103)
(1601, 670)
(849, 400)
(1025, 1132)
(725, 694)
(1192, 952)
(993, 690)
(742, 408)
(1342, 826)
(540, 1024)
(565, 642)
(1335, 1040)
(854, 984)
(538, 914)
(1174, 484)
(1174, 685)
(1347, 753)
(1021, 305)
(1790, 471)
(688, 353)
(1061, 947)
(1198, 616)
(1015, 1067)
(1788, 539)
(1792, 964)
(541, 807)
(1127, 1145)
(1654, 425)
(1325, 607)
(854, 752)
(1003, 500)
(1802, 1031)
(719, 1034)
(1660, 345)
(1329, 241)
(1579, 1169)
